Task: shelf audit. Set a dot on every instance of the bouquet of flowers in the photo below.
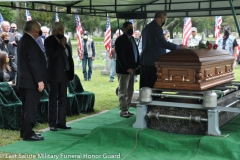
(207, 45)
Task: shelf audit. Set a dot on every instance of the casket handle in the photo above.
(183, 79)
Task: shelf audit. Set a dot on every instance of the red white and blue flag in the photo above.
(107, 40)
(79, 32)
(1, 20)
(28, 16)
(186, 30)
(56, 15)
(217, 28)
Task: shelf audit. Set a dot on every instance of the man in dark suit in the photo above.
(154, 45)
(31, 79)
(60, 72)
(127, 61)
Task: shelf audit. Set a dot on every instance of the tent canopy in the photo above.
(135, 9)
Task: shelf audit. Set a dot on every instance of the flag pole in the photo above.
(79, 32)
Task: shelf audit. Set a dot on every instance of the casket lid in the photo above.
(195, 57)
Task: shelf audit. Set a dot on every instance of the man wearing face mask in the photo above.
(60, 72)
(127, 61)
(40, 40)
(154, 46)
(15, 33)
(88, 56)
(31, 79)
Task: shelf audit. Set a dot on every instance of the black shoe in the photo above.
(53, 129)
(85, 79)
(38, 134)
(130, 113)
(124, 115)
(34, 138)
(63, 127)
(89, 79)
(110, 80)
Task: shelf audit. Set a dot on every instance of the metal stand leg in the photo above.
(140, 117)
(213, 122)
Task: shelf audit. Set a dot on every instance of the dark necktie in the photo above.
(67, 66)
(134, 49)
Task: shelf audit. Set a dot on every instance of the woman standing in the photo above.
(8, 47)
(6, 73)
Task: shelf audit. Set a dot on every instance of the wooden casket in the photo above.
(194, 69)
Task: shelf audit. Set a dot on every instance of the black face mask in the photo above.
(60, 36)
(6, 41)
(40, 33)
(163, 23)
(130, 32)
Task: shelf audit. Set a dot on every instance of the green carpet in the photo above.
(108, 136)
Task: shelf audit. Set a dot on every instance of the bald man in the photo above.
(31, 79)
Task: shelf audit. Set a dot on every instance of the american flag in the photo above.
(1, 20)
(186, 30)
(107, 40)
(79, 32)
(218, 21)
(28, 16)
(56, 15)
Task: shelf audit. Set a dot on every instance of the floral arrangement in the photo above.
(207, 45)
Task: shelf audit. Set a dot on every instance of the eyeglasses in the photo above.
(13, 27)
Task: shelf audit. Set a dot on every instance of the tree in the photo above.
(171, 24)
(7, 14)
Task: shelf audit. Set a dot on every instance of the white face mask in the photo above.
(85, 37)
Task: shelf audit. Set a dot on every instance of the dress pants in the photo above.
(57, 102)
(148, 76)
(125, 90)
(30, 101)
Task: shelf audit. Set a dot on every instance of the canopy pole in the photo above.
(235, 17)
(118, 27)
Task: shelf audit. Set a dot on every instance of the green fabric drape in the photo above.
(72, 108)
(42, 111)
(85, 99)
(10, 107)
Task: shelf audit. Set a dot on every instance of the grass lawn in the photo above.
(106, 98)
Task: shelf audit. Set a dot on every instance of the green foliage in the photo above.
(68, 20)
(7, 14)
(90, 23)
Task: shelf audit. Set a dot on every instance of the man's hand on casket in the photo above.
(181, 46)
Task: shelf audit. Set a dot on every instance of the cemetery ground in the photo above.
(105, 97)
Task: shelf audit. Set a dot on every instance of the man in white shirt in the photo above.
(194, 38)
